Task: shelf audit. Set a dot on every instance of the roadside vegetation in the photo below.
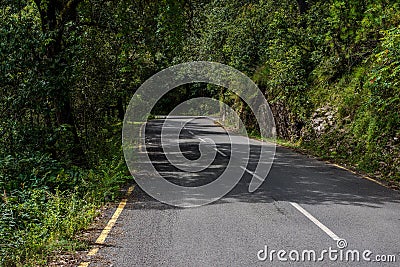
(329, 69)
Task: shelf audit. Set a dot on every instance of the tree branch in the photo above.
(99, 26)
(67, 11)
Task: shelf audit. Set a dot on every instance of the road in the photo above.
(304, 205)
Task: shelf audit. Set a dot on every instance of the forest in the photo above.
(330, 71)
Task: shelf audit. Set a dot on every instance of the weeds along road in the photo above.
(304, 206)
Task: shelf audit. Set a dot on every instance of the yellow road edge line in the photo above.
(104, 233)
(361, 175)
(93, 251)
(343, 168)
(336, 165)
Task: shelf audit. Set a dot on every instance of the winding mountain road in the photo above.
(303, 206)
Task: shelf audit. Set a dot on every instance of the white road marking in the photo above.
(252, 173)
(191, 132)
(220, 152)
(203, 140)
(315, 221)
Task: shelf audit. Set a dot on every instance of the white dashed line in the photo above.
(216, 149)
(315, 221)
(220, 152)
(252, 173)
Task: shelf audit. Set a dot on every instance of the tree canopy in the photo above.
(68, 68)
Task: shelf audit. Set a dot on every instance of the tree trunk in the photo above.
(54, 14)
(302, 6)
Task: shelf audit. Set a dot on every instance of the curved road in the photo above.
(303, 207)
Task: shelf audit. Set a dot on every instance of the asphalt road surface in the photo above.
(303, 206)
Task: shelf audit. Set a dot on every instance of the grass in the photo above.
(36, 222)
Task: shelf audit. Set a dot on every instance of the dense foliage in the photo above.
(330, 70)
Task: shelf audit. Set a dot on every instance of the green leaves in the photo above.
(68, 69)
(384, 80)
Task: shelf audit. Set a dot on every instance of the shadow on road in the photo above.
(293, 177)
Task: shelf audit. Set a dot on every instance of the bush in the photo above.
(35, 222)
(46, 205)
